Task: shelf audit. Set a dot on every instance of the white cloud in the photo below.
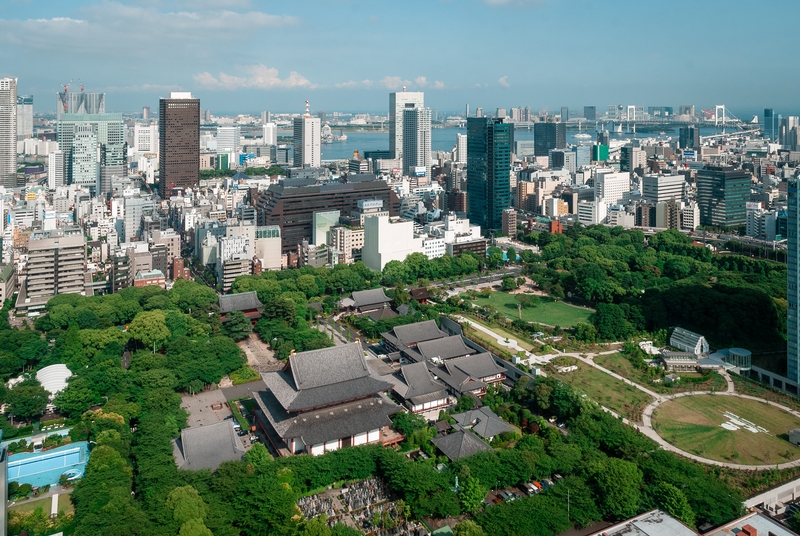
(421, 81)
(255, 76)
(503, 81)
(354, 84)
(438, 85)
(58, 20)
(394, 82)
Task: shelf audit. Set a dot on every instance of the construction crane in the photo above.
(63, 95)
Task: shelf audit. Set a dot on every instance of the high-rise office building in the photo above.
(787, 136)
(8, 132)
(145, 138)
(769, 123)
(793, 281)
(56, 265)
(24, 117)
(306, 140)
(94, 149)
(478, 112)
(398, 102)
(266, 117)
(604, 138)
(564, 114)
(548, 136)
(229, 138)
(146, 113)
(688, 137)
(80, 103)
(179, 142)
(270, 134)
(417, 142)
(662, 188)
(721, 195)
(510, 223)
(632, 158)
(461, 148)
(55, 169)
(489, 144)
(590, 113)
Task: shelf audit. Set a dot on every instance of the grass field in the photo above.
(693, 423)
(549, 311)
(29, 506)
(620, 364)
(608, 391)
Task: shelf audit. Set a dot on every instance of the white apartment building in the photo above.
(398, 102)
(229, 139)
(145, 139)
(659, 188)
(270, 134)
(611, 187)
(434, 247)
(417, 142)
(592, 212)
(691, 216)
(55, 169)
(8, 132)
(306, 141)
(461, 148)
(386, 240)
(349, 241)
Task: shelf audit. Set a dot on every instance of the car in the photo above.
(551, 420)
(538, 486)
(229, 417)
(241, 433)
(254, 438)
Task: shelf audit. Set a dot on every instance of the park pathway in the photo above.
(647, 425)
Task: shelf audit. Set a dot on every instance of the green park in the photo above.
(547, 311)
(728, 429)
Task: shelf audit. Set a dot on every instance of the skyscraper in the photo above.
(417, 142)
(461, 148)
(564, 114)
(793, 280)
(80, 103)
(721, 195)
(688, 137)
(228, 138)
(55, 169)
(270, 134)
(306, 140)
(398, 102)
(769, 123)
(590, 113)
(24, 117)
(548, 136)
(488, 170)
(8, 132)
(85, 137)
(179, 142)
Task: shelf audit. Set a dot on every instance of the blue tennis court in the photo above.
(45, 468)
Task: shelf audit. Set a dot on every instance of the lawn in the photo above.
(607, 391)
(549, 311)
(690, 381)
(693, 423)
(29, 506)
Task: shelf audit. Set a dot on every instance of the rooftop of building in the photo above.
(653, 523)
(243, 301)
(206, 447)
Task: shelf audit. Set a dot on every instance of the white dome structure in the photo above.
(54, 378)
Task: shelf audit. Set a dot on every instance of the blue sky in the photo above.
(247, 56)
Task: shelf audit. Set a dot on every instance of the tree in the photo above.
(472, 494)
(673, 501)
(186, 504)
(618, 485)
(195, 527)
(511, 253)
(407, 423)
(149, 328)
(585, 332)
(611, 322)
(468, 528)
(258, 455)
(237, 326)
(509, 283)
(28, 401)
(527, 300)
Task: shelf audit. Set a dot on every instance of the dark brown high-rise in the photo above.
(179, 142)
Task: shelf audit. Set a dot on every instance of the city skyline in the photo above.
(232, 51)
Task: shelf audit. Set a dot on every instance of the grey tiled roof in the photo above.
(323, 377)
(420, 383)
(365, 298)
(206, 447)
(418, 332)
(326, 366)
(476, 366)
(456, 379)
(326, 424)
(483, 421)
(239, 302)
(459, 444)
(444, 348)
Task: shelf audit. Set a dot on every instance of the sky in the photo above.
(244, 56)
